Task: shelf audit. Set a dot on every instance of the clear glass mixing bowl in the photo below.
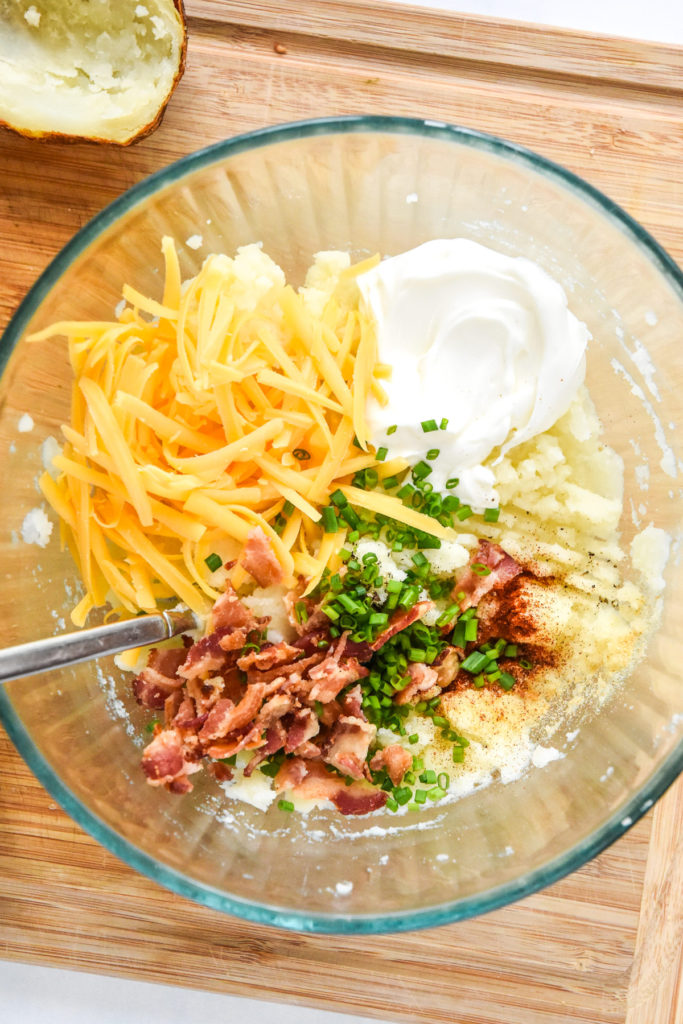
(364, 185)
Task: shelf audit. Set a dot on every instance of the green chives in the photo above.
(214, 561)
(429, 425)
(491, 515)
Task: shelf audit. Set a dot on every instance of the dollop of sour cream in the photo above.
(482, 340)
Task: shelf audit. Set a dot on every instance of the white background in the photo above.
(40, 995)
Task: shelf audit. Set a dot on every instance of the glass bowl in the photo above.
(363, 185)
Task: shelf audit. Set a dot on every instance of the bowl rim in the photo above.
(262, 913)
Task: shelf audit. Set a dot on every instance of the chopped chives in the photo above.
(443, 424)
(433, 453)
(392, 805)
(330, 524)
(405, 491)
(300, 612)
(392, 429)
(471, 631)
(402, 794)
(428, 777)
(381, 454)
(420, 796)
(339, 499)
(421, 470)
(287, 508)
(525, 663)
(394, 586)
(413, 738)
(511, 651)
(285, 805)
(452, 482)
(214, 561)
(464, 512)
(475, 662)
(491, 515)
(440, 722)
(429, 425)
(389, 482)
(301, 454)
(458, 638)
(419, 559)
(443, 780)
(458, 755)
(506, 681)
(479, 568)
(437, 793)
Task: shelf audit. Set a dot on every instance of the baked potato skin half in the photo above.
(168, 15)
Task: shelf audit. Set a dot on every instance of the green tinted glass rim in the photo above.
(261, 913)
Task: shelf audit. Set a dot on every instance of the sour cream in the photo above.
(480, 339)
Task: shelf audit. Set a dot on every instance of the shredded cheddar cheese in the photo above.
(198, 417)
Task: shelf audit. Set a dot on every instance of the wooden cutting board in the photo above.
(604, 945)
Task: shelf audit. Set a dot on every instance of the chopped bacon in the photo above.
(294, 668)
(226, 717)
(313, 621)
(221, 772)
(275, 740)
(401, 620)
(206, 655)
(422, 679)
(303, 727)
(348, 745)
(235, 639)
(396, 759)
(310, 781)
(307, 749)
(259, 559)
(352, 702)
(158, 679)
(446, 666)
(205, 692)
(164, 763)
(171, 705)
(330, 677)
(291, 774)
(229, 612)
(502, 568)
(246, 739)
(275, 708)
(269, 656)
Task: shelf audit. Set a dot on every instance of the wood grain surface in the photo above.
(603, 945)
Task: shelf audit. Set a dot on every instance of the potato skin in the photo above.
(146, 130)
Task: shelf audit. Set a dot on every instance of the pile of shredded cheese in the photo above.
(196, 418)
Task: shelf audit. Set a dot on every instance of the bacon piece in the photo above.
(275, 708)
(259, 559)
(304, 726)
(205, 656)
(171, 706)
(446, 666)
(229, 612)
(502, 566)
(235, 639)
(396, 759)
(291, 774)
(422, 679)
(348, 745)
(164, 763)
(351, 703)
(226, 717)
(310, 781)
(294, 668)
(205, 692)
(269, 656)
(314, 621)
(275, 740)
(221, 772)
(401, 620)
(158, 679)
(307, 750)
(246, 739)
(330, 677)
